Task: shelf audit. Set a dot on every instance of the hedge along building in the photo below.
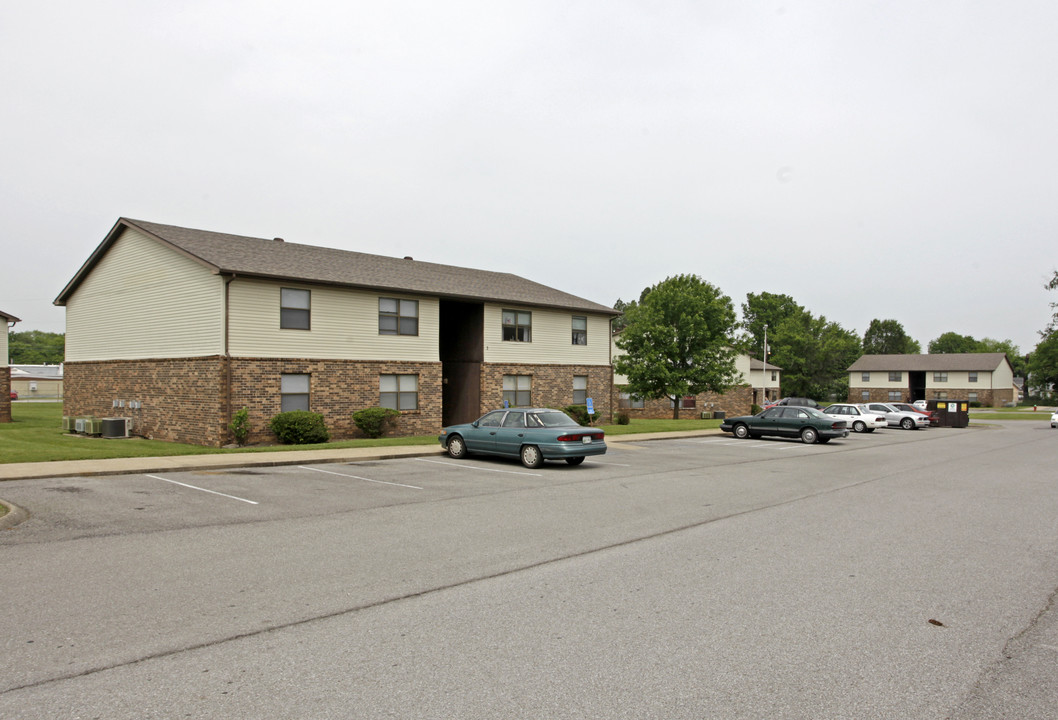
(177, 329)
(5, 369)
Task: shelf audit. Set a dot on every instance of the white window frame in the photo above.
(295, 309)
(398, 392)
(518, 390)
(295, 391)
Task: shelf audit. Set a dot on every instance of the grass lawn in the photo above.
(36, 435)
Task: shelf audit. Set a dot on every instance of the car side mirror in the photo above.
(475, 424)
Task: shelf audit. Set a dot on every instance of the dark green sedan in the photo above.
(804, 422)
(530, 434)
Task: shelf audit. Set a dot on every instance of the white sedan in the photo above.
(859, 417)
(1054, 419)
(900, 418)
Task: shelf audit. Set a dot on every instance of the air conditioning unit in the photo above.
(93, 426)
(79, 424)
(707, 415)
(115, 427)
(67, 423)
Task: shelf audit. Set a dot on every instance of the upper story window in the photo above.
(972, 377)
(774, 375)
(293, 392)
(940, 377)
(896, 376)
(580, 330)
(517, 326)
(398, 317)
(865, 377)
(294, 309)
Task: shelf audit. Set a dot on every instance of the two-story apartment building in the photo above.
(985, 378)
(177, 329)
(5, 370)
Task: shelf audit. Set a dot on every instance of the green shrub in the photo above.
(754, 409)
(299, 427)
(240, 426)
(580, 414)
(374, 421)
(623, 419)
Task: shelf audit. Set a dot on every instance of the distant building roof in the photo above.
(755, 364)
(938, 362)
(8, 317)
(37, 372)
(279, 260)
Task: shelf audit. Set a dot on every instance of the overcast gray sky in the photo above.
(873, 160)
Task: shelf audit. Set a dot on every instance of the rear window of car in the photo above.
(549, 419)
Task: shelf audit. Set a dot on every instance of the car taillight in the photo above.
(580, 436)
(837, 426)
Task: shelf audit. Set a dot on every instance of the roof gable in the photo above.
(275, 259)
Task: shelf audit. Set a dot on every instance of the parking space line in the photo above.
(212, 492)
(357, 477)
(596, 462)
(477, 467)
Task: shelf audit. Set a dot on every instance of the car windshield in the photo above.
(814, 413)
(549, 418)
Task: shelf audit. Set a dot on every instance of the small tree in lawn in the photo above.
(678, 341)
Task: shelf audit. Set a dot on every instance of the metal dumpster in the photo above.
(951, 413)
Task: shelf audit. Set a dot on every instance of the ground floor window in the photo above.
(973, 397)
(399, 392)
(894, 396)
(518, 390)
(294, 392)
(687, 402)
(865, 395)
(940, 395)
(580, 389)
(626, 400)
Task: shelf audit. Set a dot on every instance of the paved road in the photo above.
(894, 575)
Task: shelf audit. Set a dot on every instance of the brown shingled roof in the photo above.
(279, 260)
(938, 362)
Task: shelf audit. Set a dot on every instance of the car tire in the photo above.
(575, 460)
(531, 456)
(907, 424)
(809, 435)
(741, 431)
(859, 426)
(456, 447)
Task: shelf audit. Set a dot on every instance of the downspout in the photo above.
(227, 349)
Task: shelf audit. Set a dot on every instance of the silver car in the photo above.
(900, 418)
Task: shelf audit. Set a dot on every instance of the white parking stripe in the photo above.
(357, 477)
(212, 492)
(478, 467)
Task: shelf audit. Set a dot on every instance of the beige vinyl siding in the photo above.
(552, 338)
(144, 300)
(1002, 378)
(880, 379)
(343, 325)
(3, 344)
(986, 380)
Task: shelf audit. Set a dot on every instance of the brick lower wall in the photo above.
(5, 394)
(338, 389)
(181, 400)
(736, 401)
(987, 397)
(552, 385)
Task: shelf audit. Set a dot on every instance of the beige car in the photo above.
(858, 416)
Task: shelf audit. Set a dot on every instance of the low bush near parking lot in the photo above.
(374, 421)
(580, 414)
(299, 427)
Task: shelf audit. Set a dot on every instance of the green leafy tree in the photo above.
(887, 337)
(36, 347)
(1043, 364)
(678, 341)
(952, 342)
(1052, 326)
(767, 309)
(814, 354)
(620, 321)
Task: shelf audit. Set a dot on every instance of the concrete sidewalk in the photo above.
(124, 466)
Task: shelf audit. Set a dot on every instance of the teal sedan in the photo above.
(796, 422)
(531, 434)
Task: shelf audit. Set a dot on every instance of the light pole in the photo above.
(764, 370)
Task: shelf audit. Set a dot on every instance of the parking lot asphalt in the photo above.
(120, 466)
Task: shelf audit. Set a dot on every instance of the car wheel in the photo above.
(576, 460)
(531, 456)
(907, 424)
(741, 431)
(809, 435)
(859, 426)
(456, 447)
